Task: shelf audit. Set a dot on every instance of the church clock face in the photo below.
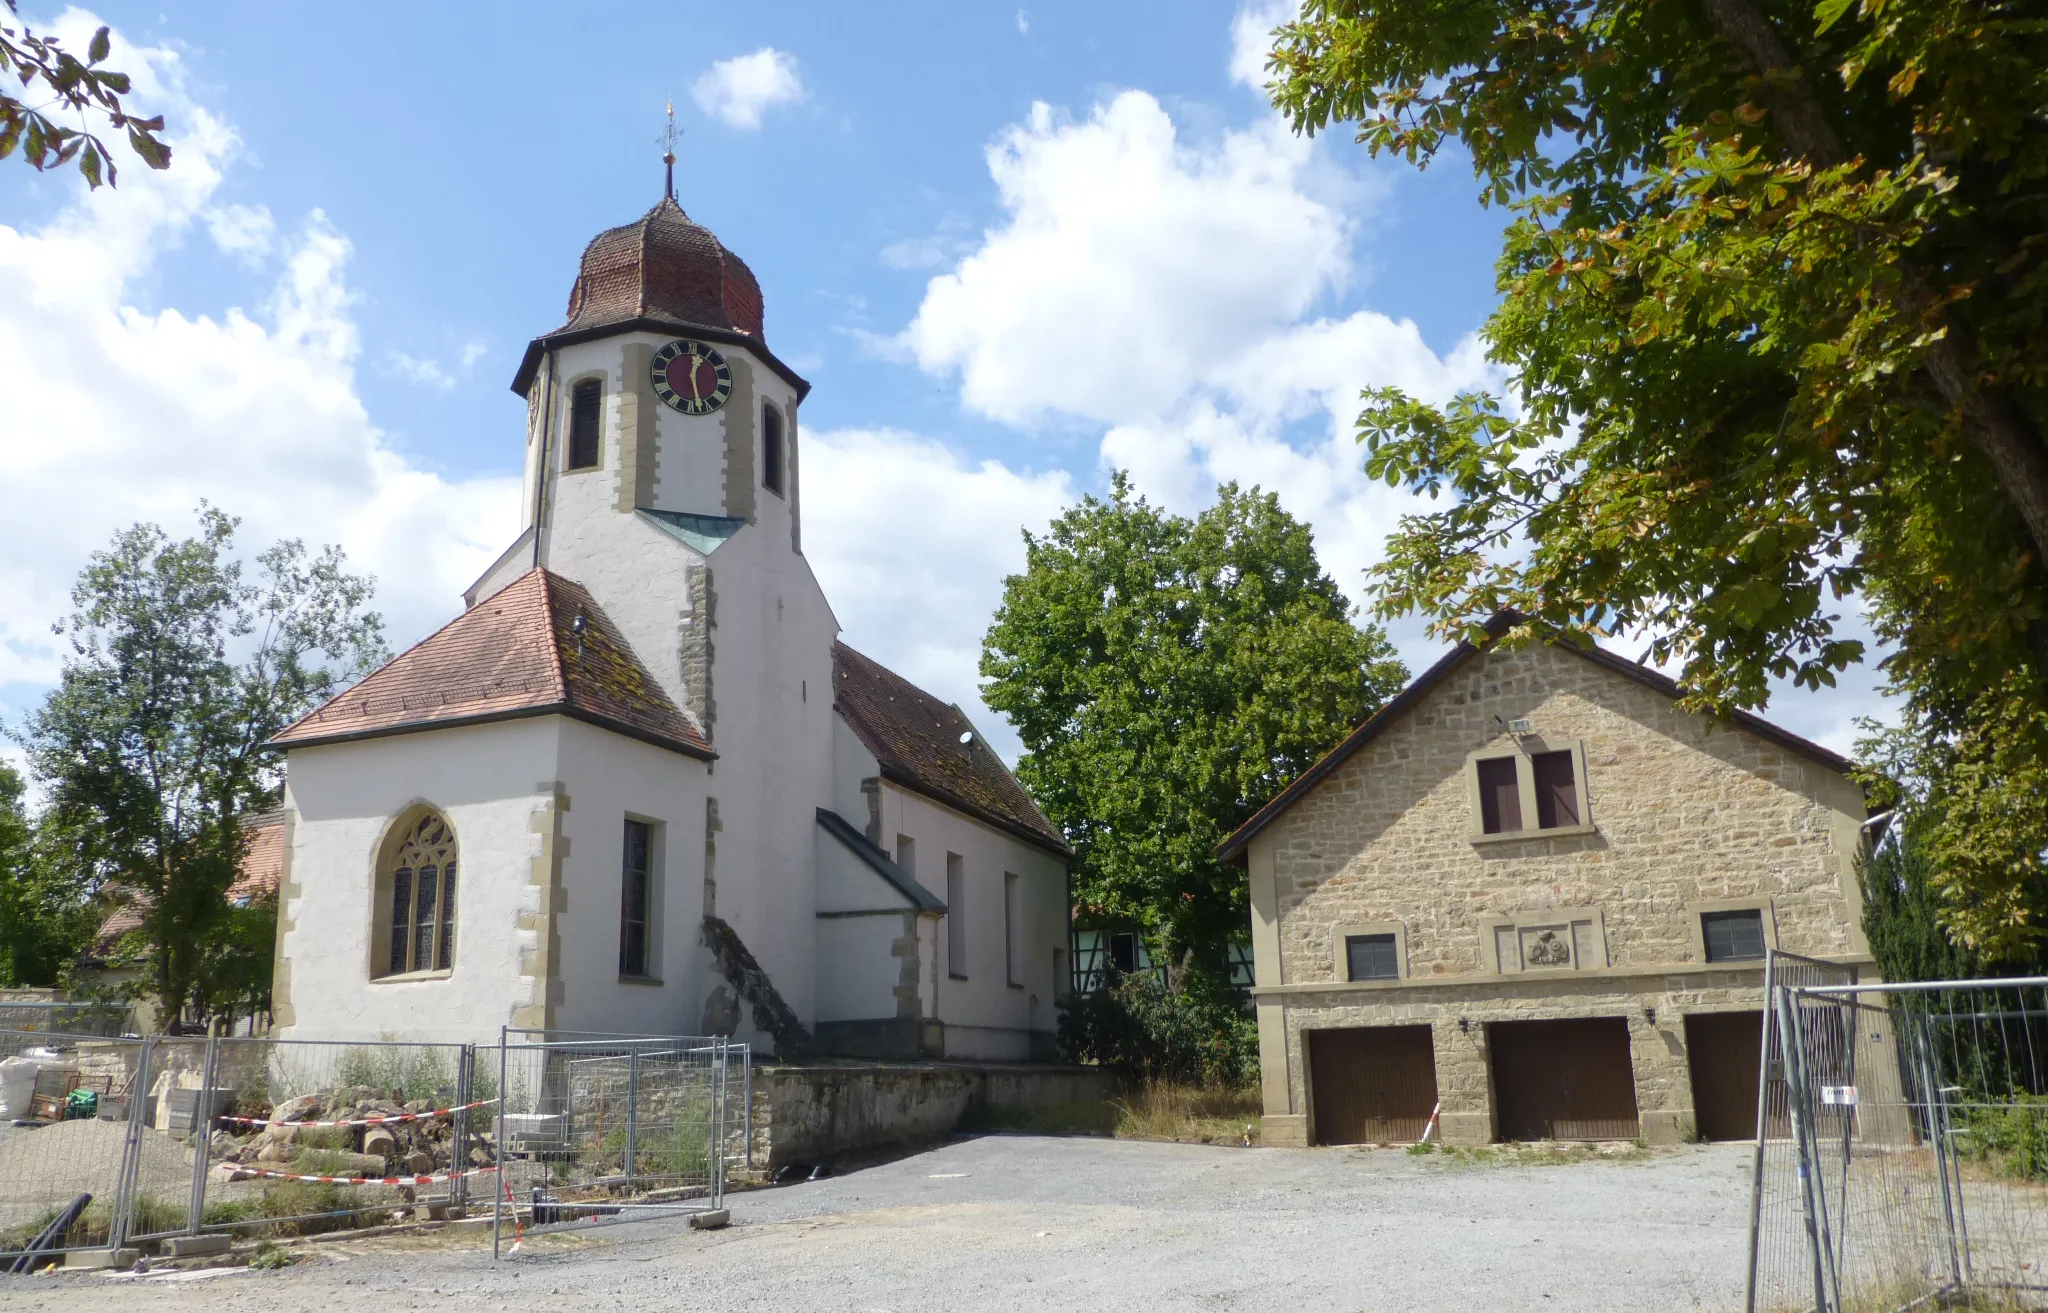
(692, 377)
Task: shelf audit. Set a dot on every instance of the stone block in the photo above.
(193, 1246)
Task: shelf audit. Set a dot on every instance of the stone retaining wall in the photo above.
(804, 1113)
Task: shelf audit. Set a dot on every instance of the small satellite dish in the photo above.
(968, 737)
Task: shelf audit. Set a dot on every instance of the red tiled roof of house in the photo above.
(917, 740)
(261, 874)
(539, 646)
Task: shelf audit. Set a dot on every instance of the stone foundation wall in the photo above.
(802, 1114)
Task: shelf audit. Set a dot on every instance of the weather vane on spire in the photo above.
(668, 151)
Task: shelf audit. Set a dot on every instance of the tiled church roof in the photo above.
(519, 652)
(916, 739)
(665, 265)
(662, 273)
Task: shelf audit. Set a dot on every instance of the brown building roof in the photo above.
(261, 875)
(538, 646)
(1419, 688)
(917, 740)
(666, 273)
(667, 265)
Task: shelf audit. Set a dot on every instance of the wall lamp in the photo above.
(1464, 1024)
(1650, 1013)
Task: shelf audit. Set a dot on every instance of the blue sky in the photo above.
(1011, 248)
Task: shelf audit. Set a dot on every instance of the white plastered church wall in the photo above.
(613, 779)
(861, 917)
(487, 781)
(986, 1016)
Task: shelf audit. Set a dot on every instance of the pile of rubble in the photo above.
(411, 1148)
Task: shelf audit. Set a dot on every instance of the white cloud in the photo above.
(473, 351)
(1023, 23)
(427, 373)
(931, 252)
(119, 413)
(912, 544)
(1132, 268)
(1251, 37)
(247, 232)
(737, 90)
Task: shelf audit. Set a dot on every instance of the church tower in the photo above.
(658, 417)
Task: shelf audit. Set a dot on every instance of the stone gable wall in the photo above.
(1685, 810)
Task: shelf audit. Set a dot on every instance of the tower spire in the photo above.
(668, 153)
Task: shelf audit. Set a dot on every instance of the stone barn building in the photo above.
(1534, 894)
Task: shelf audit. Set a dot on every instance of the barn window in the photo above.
(1372, 957)
(584, 409)
(1736, 936)
(416, 888)
(1527, 789)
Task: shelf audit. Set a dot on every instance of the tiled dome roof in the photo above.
(664, 265)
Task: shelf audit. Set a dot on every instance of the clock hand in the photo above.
(695, 393)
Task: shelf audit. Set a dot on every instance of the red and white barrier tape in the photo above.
(388, 1119)
(429, 1178)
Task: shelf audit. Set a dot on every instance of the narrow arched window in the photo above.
(416, 898)
(583, 416)
(771, 449)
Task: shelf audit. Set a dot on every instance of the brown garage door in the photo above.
(1723, 1049)
(1563, 1080)
(1371, 1085)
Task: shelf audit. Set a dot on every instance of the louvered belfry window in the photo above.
(420, 887)
(583, 417)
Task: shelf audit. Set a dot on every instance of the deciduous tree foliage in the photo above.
(44, 921)
(1168, 676)
(151, 746)
(1773, 300)
(55, 81)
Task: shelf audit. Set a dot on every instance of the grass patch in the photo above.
(1189, 1114)
(269, 1255)
(313, 1207)
(1081, 1117)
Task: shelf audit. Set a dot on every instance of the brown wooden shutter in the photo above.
(1557, 794)
(1500, 798)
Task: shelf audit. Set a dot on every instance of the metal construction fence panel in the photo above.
(66, 1137)
(1915, 1125)
(597, 1128)
(107, 1020)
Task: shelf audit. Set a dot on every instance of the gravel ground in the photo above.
(1027, 1222)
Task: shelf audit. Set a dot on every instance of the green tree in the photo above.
(152, 744)
(1168, 676)
(1773, 297)
(74, 87)
(1902, 917)
(43, 921)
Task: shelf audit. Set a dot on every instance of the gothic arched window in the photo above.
(771, 449)
(416, 898)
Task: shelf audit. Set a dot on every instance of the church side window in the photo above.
(771, 449)
(636, 901)
(417, 888)
(583, 417)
